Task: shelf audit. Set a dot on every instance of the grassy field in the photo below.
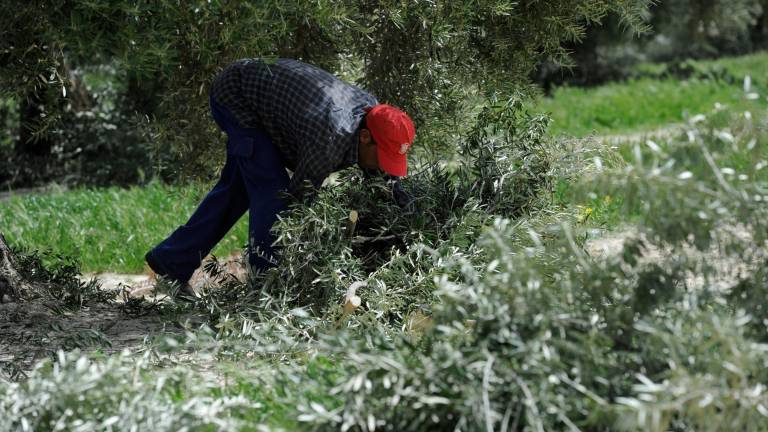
(625, 111)
(648, 103)
(106, 229)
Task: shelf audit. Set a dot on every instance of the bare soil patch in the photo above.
(35, 329)
(724, 271)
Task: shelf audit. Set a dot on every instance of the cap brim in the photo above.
(395, 164)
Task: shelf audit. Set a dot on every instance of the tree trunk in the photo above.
(12, 284)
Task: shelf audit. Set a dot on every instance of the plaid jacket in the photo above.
(312, 117)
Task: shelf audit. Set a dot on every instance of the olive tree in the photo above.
(421, 55)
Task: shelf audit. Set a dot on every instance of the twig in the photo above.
(716, 171)
(351, 300)
(531, 402)
(518, 413)
(363, 239)
(486, 398)
(352, 223)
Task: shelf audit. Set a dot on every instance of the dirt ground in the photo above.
(36, 329)
(725, 272)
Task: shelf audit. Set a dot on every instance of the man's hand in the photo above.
(403, 199)
(401, 196)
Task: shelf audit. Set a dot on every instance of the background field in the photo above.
(107, 229)
(657, 98)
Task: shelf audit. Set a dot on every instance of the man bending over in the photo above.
(278, 116)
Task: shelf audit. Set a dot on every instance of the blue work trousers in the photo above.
(253, 179)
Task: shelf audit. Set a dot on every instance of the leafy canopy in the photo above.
(421, 55)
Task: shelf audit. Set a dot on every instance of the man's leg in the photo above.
(265, 179)
(181, 253)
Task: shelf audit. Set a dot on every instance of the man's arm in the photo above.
(401, 196)
(312, 168)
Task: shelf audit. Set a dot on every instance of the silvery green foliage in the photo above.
(667, 334)
(506, 158)
(73, 393)
(504, 169)
(700, 199)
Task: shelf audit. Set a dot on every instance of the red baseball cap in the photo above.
(393, 132)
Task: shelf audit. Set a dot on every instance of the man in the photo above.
(281, 115)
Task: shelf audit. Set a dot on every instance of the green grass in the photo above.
(737, 143)
(106, 229)
(645, 104)
(751, 64)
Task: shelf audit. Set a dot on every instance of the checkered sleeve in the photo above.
(316, 162)
(310, 172)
